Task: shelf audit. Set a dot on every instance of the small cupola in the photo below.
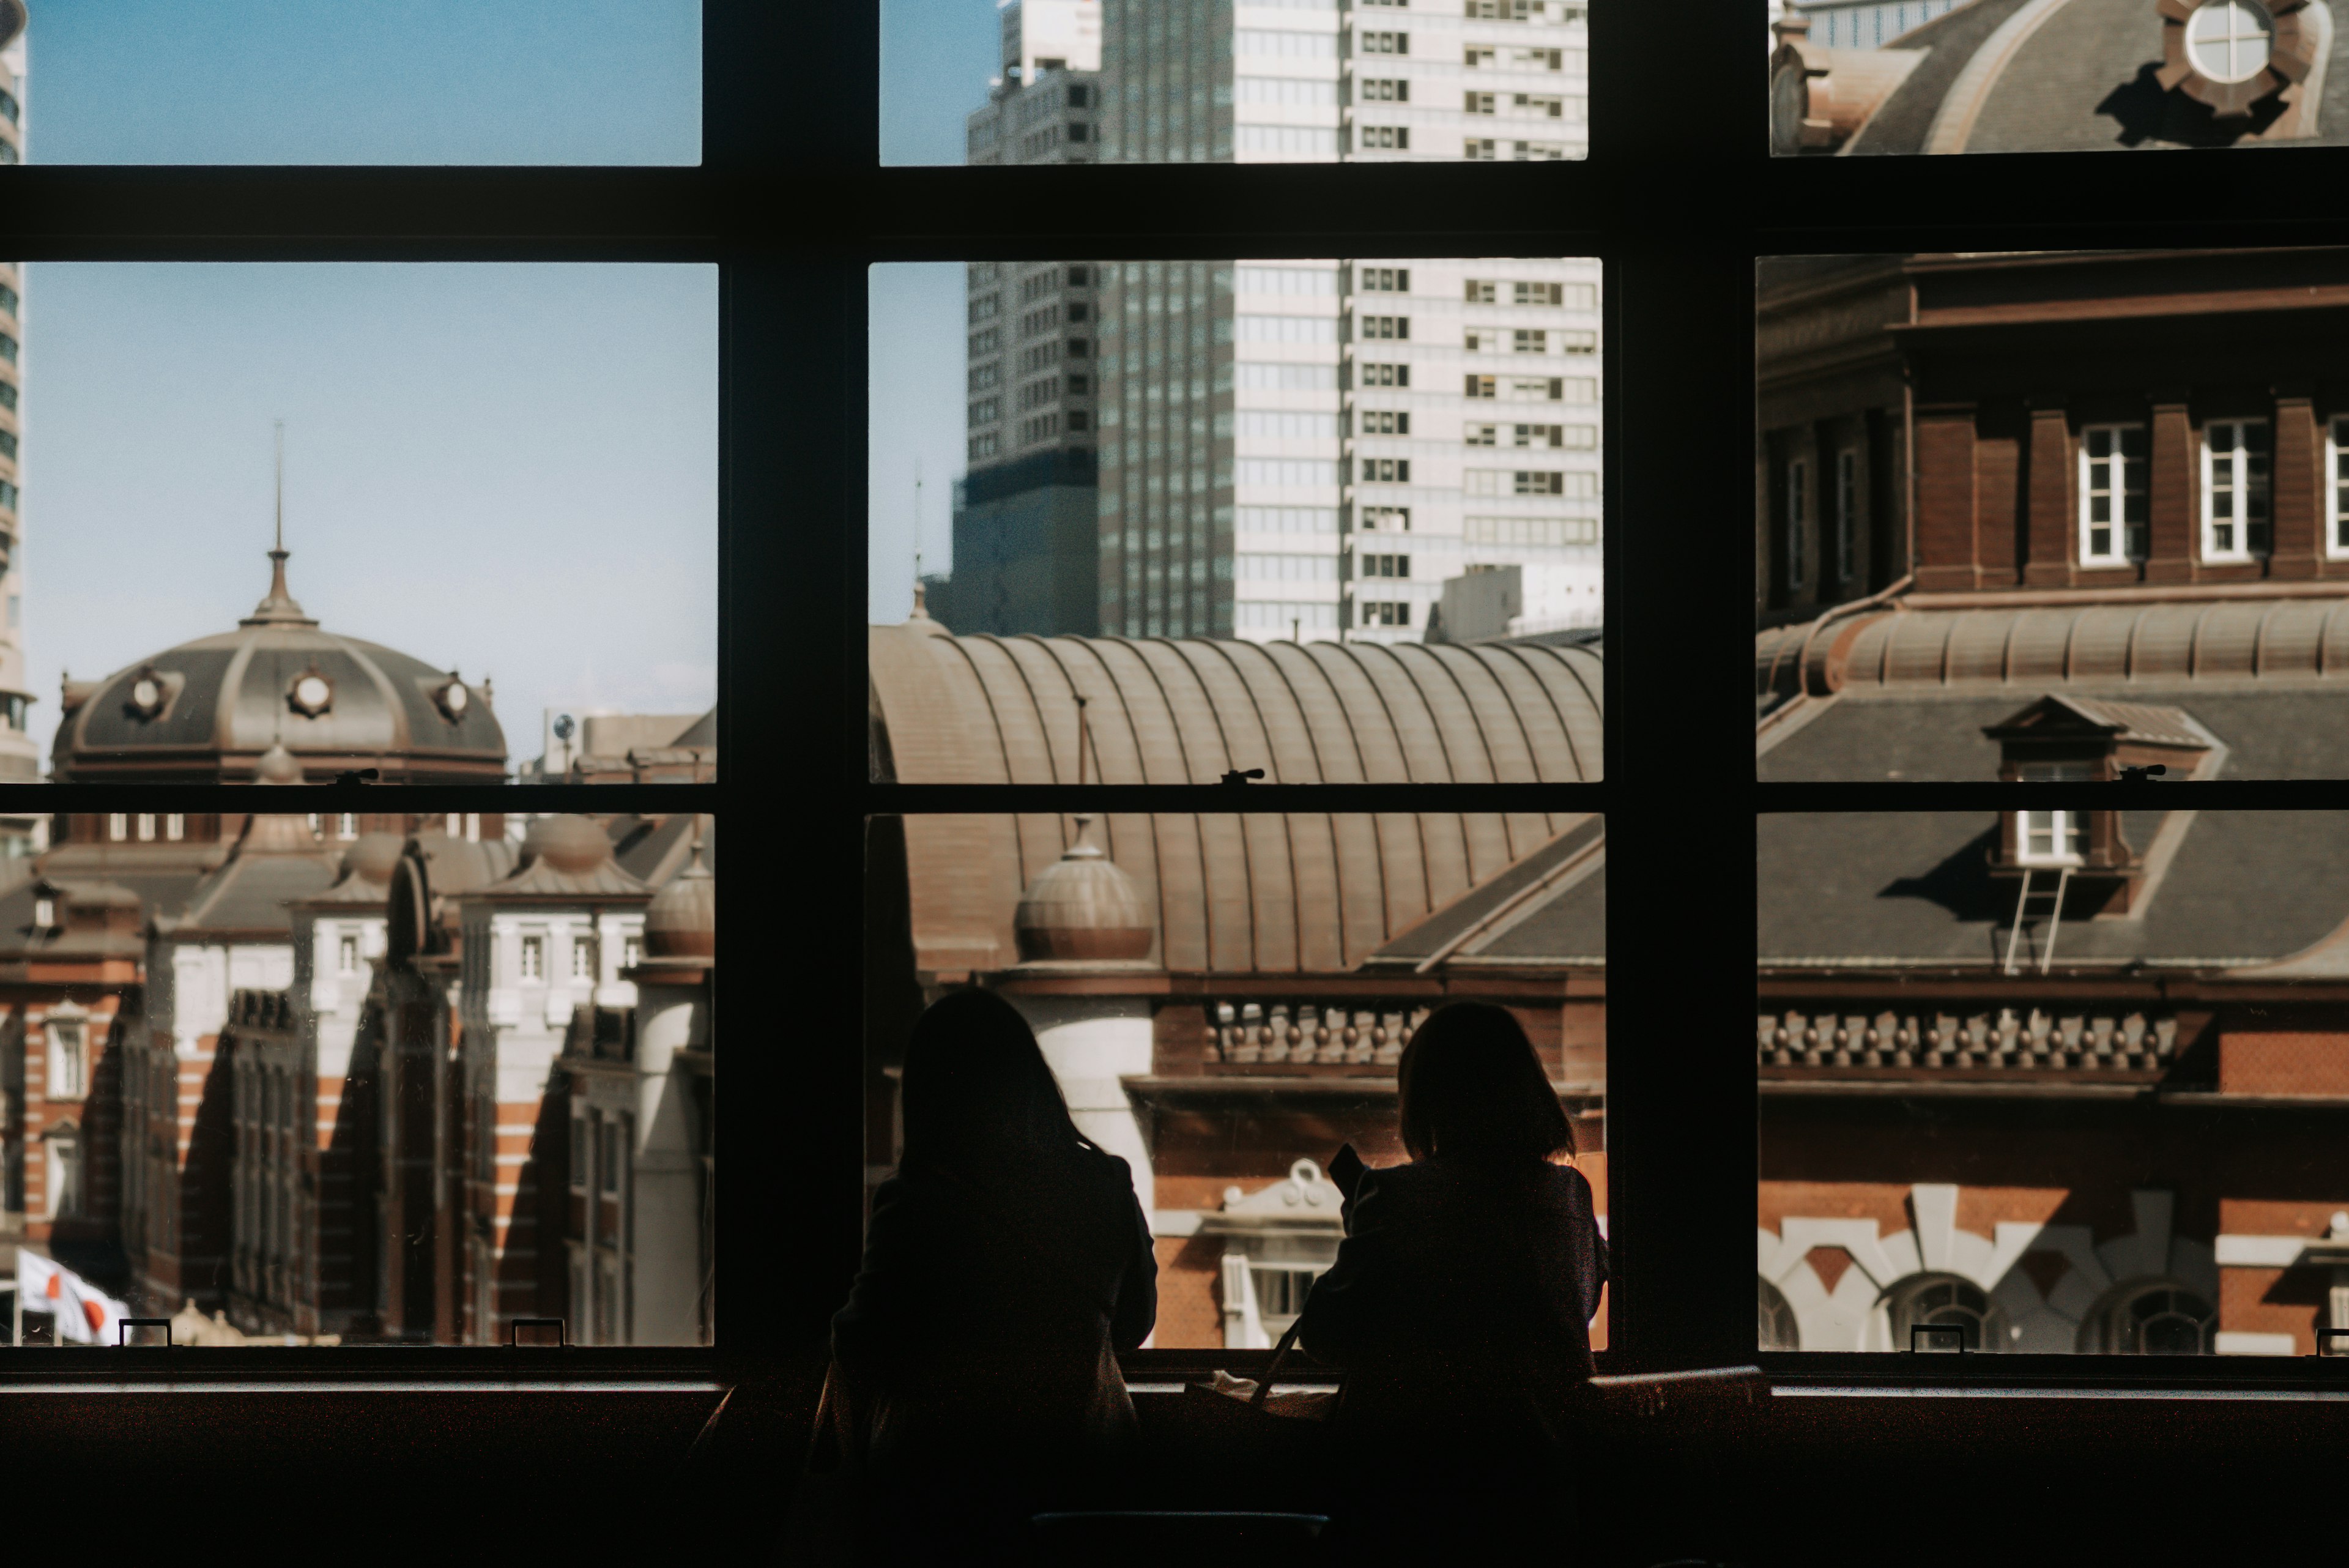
(1084, 909)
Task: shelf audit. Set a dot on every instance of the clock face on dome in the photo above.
(146, 695)
(455, 697)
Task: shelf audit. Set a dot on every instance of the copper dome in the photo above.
(682, 919)
(1082, 909)
(373, 856)
(208, 711)
(567, 844)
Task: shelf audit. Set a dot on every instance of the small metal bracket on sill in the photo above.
(2145, 774)
(1955, 1330)
(1239, 779)
(123, 1325)
(539, 1336)
(2324, 1338)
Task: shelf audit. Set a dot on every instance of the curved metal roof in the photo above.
(1233, 893)
(2271, 638)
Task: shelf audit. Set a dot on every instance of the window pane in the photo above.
(280, 81)
(1291, 452)
(467, 453)
(309, 1089)
(1215, 81)
(1226, 1048)
(2096, 1113)
(2045, 514)
(1851, 76)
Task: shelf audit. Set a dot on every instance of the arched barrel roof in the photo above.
(1260, 893)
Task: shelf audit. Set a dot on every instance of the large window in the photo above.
(2116, 508)
(2235, 489)
(2337, 473)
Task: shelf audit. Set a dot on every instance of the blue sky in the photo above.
(509, 470)
(936, 59)
(346, 81)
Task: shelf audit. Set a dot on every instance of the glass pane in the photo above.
(1225, 1046)
(432, 81)
(466, 451)
(1977, 585)
(1215, 81)
(1918, 76)
(2099, 1114)
(1302, 453)
(312, 1079)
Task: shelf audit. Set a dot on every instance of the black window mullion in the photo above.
(1680, 1129)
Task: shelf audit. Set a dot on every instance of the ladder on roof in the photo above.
(2051, 910)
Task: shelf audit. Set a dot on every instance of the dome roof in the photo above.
(1082, 909)
(208, 711)
(373, 856)
(567, 844)
(682, 919)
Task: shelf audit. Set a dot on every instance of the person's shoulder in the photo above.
(1109, 1170)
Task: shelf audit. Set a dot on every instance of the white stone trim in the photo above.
(2236, 1341)
(2261, 1251)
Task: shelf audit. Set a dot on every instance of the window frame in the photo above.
(794, 303)
(2244, 487)
(2336, 488)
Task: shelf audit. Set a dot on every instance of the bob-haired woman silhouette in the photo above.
(1461, 1300)
(1006, 1263)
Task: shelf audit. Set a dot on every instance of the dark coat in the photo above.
(985, 1322)
(1460, 1305)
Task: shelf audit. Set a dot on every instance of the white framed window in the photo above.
(2336, 489)
(2051, 838)
(2048, 838)
(44, 913)
(583, 958)
(632, 951)
(346, 955)
(68, 1059)
(2114, 500)
(346, 825)
(117, 827)
(146, 827)
(175, 827)
(2235, 481)
(66, 1174)
(1798, 518)
(1846, 515)
(533, 965)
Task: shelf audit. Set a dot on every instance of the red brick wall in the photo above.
(1190, 1313)
(2279, 1062)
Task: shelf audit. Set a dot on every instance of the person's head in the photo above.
(1472, 1088)
(977, 1086)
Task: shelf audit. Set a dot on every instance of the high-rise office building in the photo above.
(1312, 447)
(19, 757)
(1026, 534)
(1294, 447)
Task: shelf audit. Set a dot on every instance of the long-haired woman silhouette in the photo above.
(1460, 1303)
(1005, 1262)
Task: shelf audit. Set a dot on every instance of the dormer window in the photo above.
(2084, 740)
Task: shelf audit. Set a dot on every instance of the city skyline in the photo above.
(510, 432)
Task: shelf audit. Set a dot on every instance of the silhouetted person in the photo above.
(1460, 1306)
(1005, 1264)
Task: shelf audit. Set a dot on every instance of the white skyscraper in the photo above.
(1292, 448)
(1312, 448)
(19, 758)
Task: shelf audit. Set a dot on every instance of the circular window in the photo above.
(312, 693)
(1947, 1303)
(2229, 40)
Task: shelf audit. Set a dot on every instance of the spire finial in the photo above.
(279, 608)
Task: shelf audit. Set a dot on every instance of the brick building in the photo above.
(1225, 999)
(2061, 1079)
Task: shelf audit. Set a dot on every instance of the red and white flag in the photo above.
(85, 1313)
